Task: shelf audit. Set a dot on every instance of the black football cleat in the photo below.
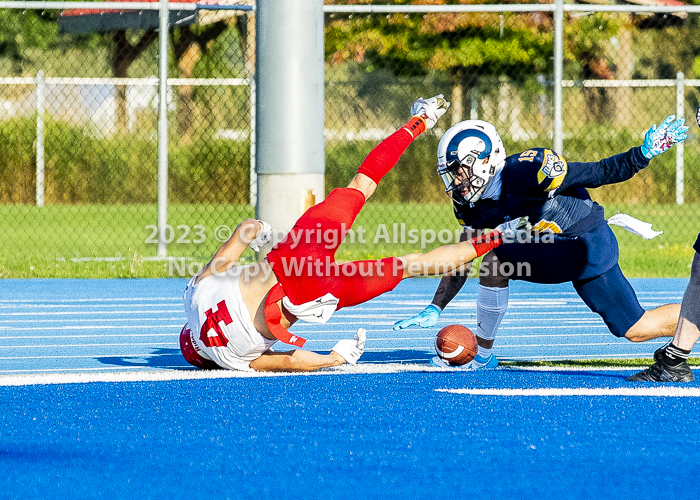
(662, 372)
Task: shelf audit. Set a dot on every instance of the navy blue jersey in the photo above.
(538, 183)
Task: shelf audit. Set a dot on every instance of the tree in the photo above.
(468, 46)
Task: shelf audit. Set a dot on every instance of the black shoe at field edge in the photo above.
(661, 372)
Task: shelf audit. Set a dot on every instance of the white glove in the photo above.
(518, 229)
(263, 238)
(430, 109)
(352, 349)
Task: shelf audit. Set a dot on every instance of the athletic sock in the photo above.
(483, 353)
(387, 153)
(674, 356)
(491, 305)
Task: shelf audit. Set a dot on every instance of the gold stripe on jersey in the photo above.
(547, 225)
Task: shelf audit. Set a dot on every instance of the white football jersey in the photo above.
(221, 323)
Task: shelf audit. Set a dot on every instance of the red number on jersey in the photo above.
(212, 323)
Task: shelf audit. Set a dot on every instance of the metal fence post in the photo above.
(40, 104)
(163, 132)
(680, 147)
(558, 131)
(253, 171)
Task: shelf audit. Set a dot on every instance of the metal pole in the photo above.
(253, 171)
(40, 103)
(290, 156)
(680, 96)
(558, 75)
(163, 132)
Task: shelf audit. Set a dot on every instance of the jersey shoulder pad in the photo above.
(539, 168)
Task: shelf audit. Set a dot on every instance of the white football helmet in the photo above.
(469, 154)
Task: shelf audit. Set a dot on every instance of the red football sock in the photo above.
(385, 156)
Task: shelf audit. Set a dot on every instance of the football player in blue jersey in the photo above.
(488, 187)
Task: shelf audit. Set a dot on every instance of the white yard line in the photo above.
(674, 392)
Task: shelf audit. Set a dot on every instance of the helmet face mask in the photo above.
(468, 155)
(462, 181)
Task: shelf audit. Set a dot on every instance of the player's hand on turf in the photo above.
(430, 109)
(263, 237)
(352, 349)
(427, 318)
(658, 140)
(518, 229)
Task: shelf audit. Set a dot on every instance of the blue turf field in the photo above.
(392, 427)
(105, 325)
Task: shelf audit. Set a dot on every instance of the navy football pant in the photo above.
(590, 262)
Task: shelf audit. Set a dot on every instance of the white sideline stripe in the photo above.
(185, 373)
(88, 327)
(20, 321)
(112, 299)
(124, 344)
(91, 356)
(5, 373)
(672, 392)
(120, 335)
(138, 374)
(79, 313)
(82, 307)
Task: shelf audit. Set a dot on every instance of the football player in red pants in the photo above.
(236, 313)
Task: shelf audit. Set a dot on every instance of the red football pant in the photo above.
(304, 262)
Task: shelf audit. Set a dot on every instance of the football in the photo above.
(456, 345)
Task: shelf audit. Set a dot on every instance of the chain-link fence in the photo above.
(79, 125)
(79, 94)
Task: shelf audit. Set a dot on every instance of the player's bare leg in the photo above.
(363, 184)
(659, 322)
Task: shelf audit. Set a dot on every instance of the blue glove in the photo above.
(427, 318)
(658, 140)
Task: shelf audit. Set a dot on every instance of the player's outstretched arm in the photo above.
(249, 233)
(449, 287)
(624, 166)
(345, 351)
(448, 258)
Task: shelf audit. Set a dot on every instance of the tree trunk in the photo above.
(120, 67)
(185, 104)
(456, 76)
(625, 67)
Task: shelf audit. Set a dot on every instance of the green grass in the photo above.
(43, 242)
(592, 363)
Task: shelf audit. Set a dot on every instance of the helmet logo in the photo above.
(553, 170)
(457, 141)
